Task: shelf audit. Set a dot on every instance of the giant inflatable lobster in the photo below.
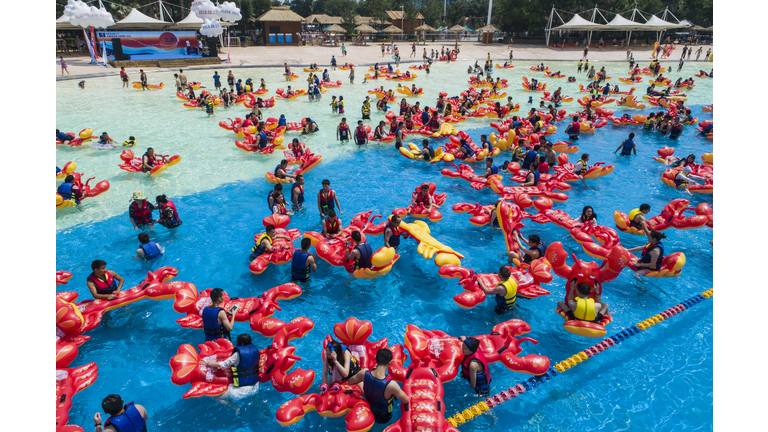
(671, 216)
(332, 250)
(88, 191)
(134, 164)
(419, 210)
(282, 249)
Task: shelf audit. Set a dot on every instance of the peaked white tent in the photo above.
(62, 23)
(577, 23)
(619, 23)
(192, 22)
(657, 24)
(137, 20)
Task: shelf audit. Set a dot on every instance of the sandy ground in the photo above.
(262, 56)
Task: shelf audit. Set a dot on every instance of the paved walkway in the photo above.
(263, 56)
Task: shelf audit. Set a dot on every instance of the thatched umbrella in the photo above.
(392, 29)
(710, 28)
(457, 29)
(424, 28)
(490, 28)
(335, 29)
(365, 28)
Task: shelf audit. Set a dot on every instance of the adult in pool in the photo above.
(69, 191)
(149, 250)
(491, 169)
(427, 152)
(217, 323)
(122, 418)
(392, 232)
(588, 216)
(505, 291)
(264, 242)
(280, 206)
(140, 212)
(531, 156)
(280, 170)
(338, 363)
(637, 217)
(64, 137)
(331, 225)
(103, 283)
(536, 248)
(302, 262)
(361, 135)
(169, 217)
(271, 195)
(326, 198)
(474, 367)
(244, 363)
(582, 307)
(148, 160)
(652, 254)
(342, 131)
(533, 176)
(379, 388)
(627, 146)
(580, 167)
(424, 199)
(361, 253)
(684, 178)
(297, 193)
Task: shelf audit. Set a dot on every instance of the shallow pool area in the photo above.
(659, 380)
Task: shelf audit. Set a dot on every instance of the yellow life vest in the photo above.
(366, 109)
(633, 214)
(583, 166)
(257, 247)
(585, 309)
(511, 287)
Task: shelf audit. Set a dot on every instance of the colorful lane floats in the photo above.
(85, 135)
(132, 163)
(332, 249)
(419, 208)
(571, 362)
(282, 248)
(87, 190)
(435, 359)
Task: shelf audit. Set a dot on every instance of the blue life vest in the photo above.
(468, 152)
(529, 158)
(129, 421)
(494, 169)
(536, 177)
(431, 152)
(65, 190)
(211, 326)
(628, 144)
(374, 393)
(542, 251)
(365, 256)
(424, 117)
(299, 269)
(151, 251)
(282, 121)
(394, 239)
(646, 257)
(326, 77)
(490, 146)
(262, 140)
(246, 373)
(280, 176)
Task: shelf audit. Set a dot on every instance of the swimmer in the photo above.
(379, 389)
(531, 157)
(580, 167)
(331, 225)
(399, 135)
(169, 217)
(652, 254)
(140, 212)
(81, 84)
(689, 160)
(491, 169)
(271, 195)
(342, 131)
(123, 417)
(361, 134)
(676, 129)
(392, 232)
(424, 199)
(297, 193)
(69, 190)
(537, 248)
(684, 177)
(149, 250)
(427, 152)
(326, 198)
(361, 253)
(280, 207)
(280, 171)
(378, 132)
(64, 137)
(505, 291)
(533, 176)
(103, 283)
(627, 146)
(244, 365)
(217, 323)
(637, 218)
(264, 242)
(339, 363)
(588, 216)
(105, 139)
(474, 367)
(582, 307)
(302, 262)
(464, 151)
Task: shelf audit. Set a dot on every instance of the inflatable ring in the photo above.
(585, 328)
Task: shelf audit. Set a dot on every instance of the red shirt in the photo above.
(122, 74)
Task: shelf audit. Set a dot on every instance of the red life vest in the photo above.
(361, 133)
(423, 200)
(281, 208)
(103, 287)
(332, 227)
(326, 200)
(175, 217)
(481, 382)
(141, 214)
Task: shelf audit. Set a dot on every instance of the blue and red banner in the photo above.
(152, 44)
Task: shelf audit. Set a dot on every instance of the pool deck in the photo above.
(262, 56)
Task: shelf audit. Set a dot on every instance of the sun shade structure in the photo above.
(365, 28)
(456, 28)
(63, 24)
(488, 29)
(619, 23)
(335, 29)
(657, 24)
(137, 20)
(392, 29)
(424, 28)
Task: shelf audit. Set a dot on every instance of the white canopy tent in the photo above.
(137, 20)
(577, 23)
(62, 23)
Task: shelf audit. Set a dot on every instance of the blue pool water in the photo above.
(660, 380)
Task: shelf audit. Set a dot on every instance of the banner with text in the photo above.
(152, 45)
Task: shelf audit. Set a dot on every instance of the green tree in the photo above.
(375, 9)
(260, 7)
(432, 10)
(302, 7)
(456, 12)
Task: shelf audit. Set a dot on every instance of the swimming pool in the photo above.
(660, 380)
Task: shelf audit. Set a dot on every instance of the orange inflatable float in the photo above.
(275, 362)
(85, 188)
(81, 138)
(671, 216)
(134, 164)
(527, 279)
(282, 249)
(539, 86)
(137, 85)
(332, 250)
(668, 178)
(419, 208)
(69, 382)
(335, 401)
(306, 162)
